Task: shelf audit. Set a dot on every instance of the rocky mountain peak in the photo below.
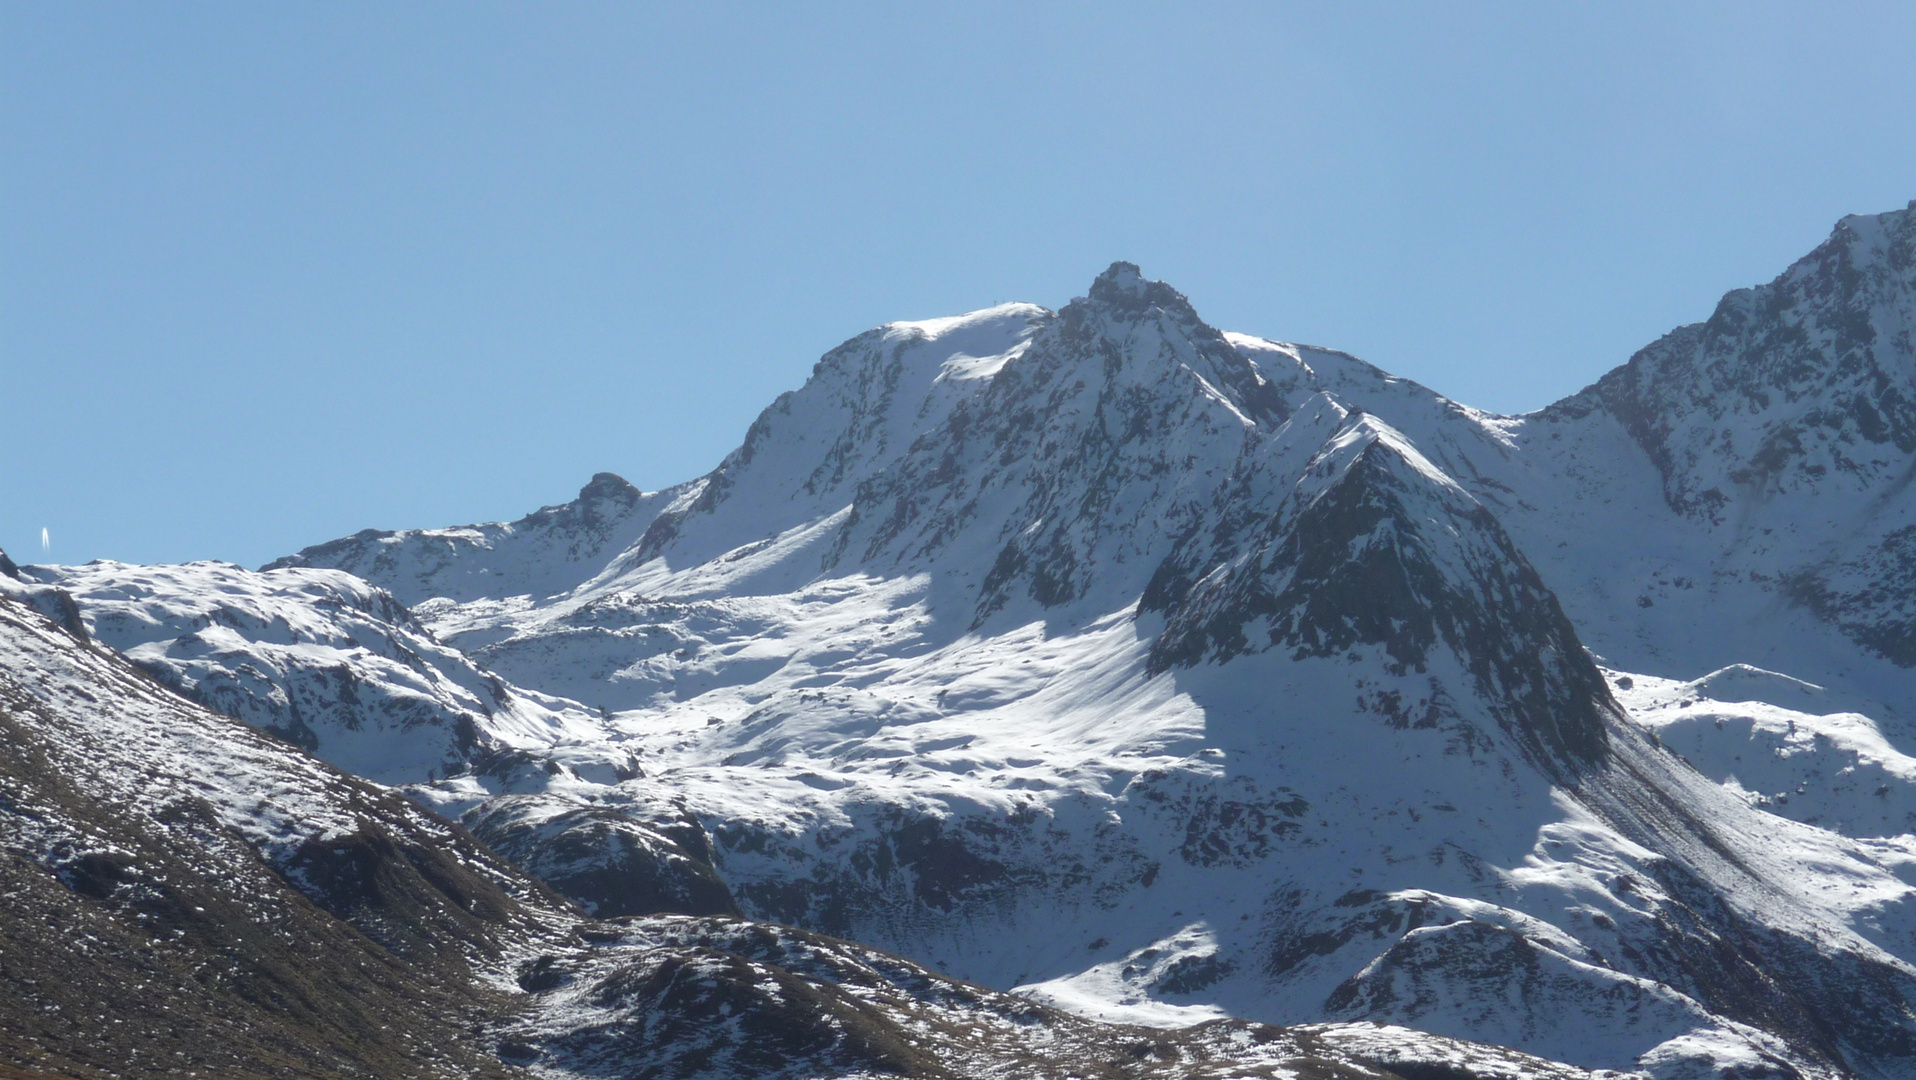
(610, 486)
(1124, 288)
(1126, 313)
(1805, 381)
(989, 422)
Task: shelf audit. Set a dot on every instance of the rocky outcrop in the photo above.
(608, 863)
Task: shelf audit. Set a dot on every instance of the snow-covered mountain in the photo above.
(1167, 674)
(188, 897)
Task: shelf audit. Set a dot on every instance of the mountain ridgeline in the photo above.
(1123, 450)
(1172, 678)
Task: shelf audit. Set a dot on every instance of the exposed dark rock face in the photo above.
(904, 860)
(58, 605)
(607, 862)
(1374, 548)
(798, 1005)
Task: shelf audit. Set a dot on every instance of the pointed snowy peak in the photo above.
(1378, 553)
(1116, 431)
(1045, 439)
(7, 567)
(1124, 310)
(867, 402)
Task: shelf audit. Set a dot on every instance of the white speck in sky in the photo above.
(46, 542)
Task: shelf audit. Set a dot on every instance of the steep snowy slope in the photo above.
(1739, 492)
(1168, 673)
(185, 896)
(1784, 431)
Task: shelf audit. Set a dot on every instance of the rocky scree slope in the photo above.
(187, 896)
(1167, 673)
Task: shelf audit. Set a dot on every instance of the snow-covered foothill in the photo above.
(1785, 745)
(316, 657)
(542, 554)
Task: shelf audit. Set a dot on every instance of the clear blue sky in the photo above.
(272, 273)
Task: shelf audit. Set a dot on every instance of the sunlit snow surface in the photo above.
(1109, 898)
(315, 656)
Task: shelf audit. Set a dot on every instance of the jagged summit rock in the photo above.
(1124, 288)
(607, 485)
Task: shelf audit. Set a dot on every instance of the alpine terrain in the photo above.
(1143, 699)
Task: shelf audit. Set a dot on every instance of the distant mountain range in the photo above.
(1157, 682)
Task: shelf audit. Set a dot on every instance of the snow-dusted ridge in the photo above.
(1167, 673)
(542, 554)
(317, 657)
